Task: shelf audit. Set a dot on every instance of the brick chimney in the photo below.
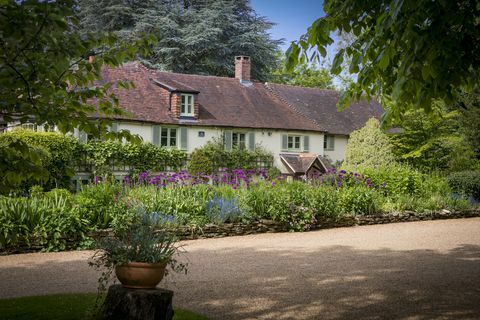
(242, 68)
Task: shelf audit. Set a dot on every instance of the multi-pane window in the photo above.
(294, 142)
(29, 126)
(238, 140)
(187, 105)
(328, 142)
(168, 137)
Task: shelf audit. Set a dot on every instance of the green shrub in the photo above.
(325, 201)
(465, 182)
(98, 204)
(62, 150)
(395, 179)
(212, 156)
(369, 147)
(358, 200)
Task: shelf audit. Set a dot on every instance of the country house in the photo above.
(186, 111)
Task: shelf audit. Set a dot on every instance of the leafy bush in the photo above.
(395, 179)
(212, 156)
(62, 150)
(325, 201)
(98, 203)
(358, 200)
(139, 157)
(465, 182)
(368, 147)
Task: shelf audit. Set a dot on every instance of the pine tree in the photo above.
(194, 36)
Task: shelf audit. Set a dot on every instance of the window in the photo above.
(294, 142)
(187, 105)
(29, 126)
(328, 142)
(238, 140)
(168, 137)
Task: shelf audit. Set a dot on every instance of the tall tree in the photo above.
(199, 36)
(45, 77)
(433, 141)
(304, 75)
(411, 52)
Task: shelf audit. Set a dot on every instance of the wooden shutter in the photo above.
(306, 143)
(156, 135)
(227, 139)
(251, 141)
(183, 138)
(284, 142)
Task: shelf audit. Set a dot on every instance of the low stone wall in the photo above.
(269, 226)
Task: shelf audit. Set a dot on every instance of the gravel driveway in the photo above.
(417, 270)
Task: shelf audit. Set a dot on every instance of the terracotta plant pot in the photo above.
(140, 275)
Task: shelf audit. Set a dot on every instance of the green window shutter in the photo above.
(251, 141)
(227, 139)
(156, 135)
(114, 127)
(284, 142)
(183, 138)
(306, 143)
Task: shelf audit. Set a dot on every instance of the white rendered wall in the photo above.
(269, 139)
(338, 153)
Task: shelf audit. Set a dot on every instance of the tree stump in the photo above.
(138, 304)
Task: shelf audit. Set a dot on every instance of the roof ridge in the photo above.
(309, 88)
(291, 106)
(193, 75)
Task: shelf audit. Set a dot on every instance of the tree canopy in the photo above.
(46, 78)
(410, 53)
(304, 75)
(194, 36)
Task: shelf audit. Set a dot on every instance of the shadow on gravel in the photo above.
(333, 283)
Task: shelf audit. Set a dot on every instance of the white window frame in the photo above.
(237, 141)
(187, 105)
(294, 137)
(326, 142)
(169, 137)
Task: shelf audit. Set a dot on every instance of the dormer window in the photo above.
(187, 106)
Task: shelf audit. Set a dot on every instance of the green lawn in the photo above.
(62, 307)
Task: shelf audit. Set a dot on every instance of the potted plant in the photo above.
(139, 253)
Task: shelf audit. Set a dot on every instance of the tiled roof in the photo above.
(222, 101)
(301, 163)
(225, 102)
(321, 106)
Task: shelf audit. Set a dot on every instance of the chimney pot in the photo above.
(242, 68)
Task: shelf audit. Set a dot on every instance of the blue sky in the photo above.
(292, 17)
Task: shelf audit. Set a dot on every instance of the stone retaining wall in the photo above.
(269, 226)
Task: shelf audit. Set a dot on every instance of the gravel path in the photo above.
(418, 270)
